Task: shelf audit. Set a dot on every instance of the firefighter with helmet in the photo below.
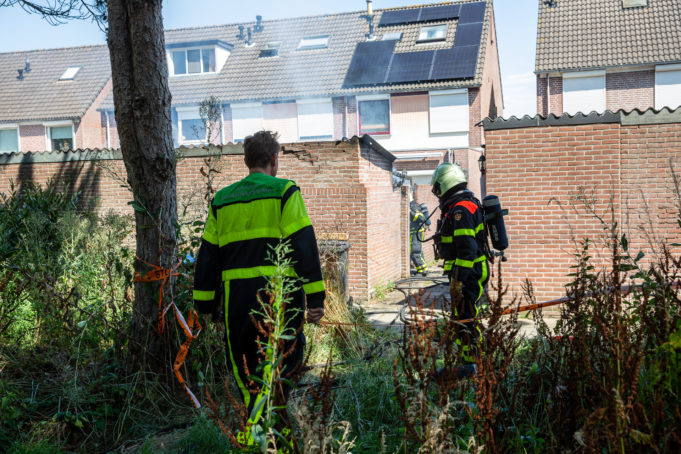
(417, 230)
(463, 246)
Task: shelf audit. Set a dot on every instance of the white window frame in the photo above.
(375, 97)
(447, 118)
(309, 119)
(313, 42)
(58, 124)
(426, 28)
(70, 73)
(171, 61)
(573, 105)
(8, 127)
(662, 95)
(247, 125)
(188, 113)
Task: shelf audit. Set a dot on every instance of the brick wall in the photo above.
(555, 98)
(630, 90)
(32, 137)
(90, 132)
(491, 86)
(538, 171)
(347, 189)
(542, 100)
(475, 134)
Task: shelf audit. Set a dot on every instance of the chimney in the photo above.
(248, 40)
(21, 74)
(369, 16)
(27, 66)
(241, 32)
(258, 24)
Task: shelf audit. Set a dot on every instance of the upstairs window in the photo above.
(432, 34)
(668, 86)
(70, 73)
(584, 92)
(374, 116)
(9, 140)
(315, 119)
(449, 111)
(193, 61)
(60, 138)
(314, 42)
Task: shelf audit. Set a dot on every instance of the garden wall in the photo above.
(347, 187)
(555, 173)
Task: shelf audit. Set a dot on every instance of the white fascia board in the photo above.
(629, 69)
(373, 97)
(245, 105)
(313, 100)
(9, 126)
(187, 109)
(578, 74)
(662, 68)
(453, 91)
(58, 123)
(419, 173)
(429, 154)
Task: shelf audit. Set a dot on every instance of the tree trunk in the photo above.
(142, 102)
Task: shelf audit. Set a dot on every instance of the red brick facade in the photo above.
(538, 171)
(630, 90)
(347, 187)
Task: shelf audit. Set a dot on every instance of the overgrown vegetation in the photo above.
(608, 379)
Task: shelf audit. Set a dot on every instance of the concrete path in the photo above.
(385, 313)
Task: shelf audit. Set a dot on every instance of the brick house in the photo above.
(49, 98)
(598, 55)
(416, 79)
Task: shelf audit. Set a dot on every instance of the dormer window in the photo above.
(205, 57)
(313, 42)
(432, 33)
(70, 73)
(193, 61)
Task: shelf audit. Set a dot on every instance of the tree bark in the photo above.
(142, 107)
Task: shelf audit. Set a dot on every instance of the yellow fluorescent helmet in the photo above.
(445, 177)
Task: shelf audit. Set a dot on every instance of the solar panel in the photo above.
(468, 34)
(472, 12)
(439, 13)
(369, 63)
(455, 63)
(404, 16)
(410, 67)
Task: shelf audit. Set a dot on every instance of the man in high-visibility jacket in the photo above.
(463, 246)
(245, 220)
(417, 231)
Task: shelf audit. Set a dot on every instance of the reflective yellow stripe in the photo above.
(264, 232)
(481, 280)
(235, 369)
(295, 226)
(447, 239)
(204, 295)
(469, 232)
(448, 265)
(469, 264)
(314, 287)
(256, 271)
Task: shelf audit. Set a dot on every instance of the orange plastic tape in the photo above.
(187, 327)
(157, 274)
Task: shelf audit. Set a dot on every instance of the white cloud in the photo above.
(520, 94)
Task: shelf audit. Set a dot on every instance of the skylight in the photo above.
(432, 33)
(70, 73)
(390, 36)
(634, 3)
(271, 49)
(314, 42)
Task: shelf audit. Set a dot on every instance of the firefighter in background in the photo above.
(463, 246)
(417, 232)
(245, 220)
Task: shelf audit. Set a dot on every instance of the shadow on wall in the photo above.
(81, 177)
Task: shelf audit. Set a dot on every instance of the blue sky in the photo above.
(516, 32)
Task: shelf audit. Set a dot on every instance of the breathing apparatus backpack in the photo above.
(493, 216)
